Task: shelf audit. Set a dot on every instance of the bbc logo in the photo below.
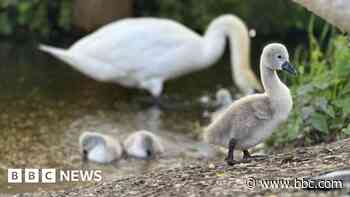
(31, 175)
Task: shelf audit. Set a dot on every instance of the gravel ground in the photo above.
(218, 179)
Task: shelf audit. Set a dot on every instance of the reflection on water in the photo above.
(45, 106)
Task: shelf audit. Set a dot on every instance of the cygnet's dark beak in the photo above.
(289, 68)
(150, 154)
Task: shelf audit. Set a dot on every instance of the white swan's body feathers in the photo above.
(145, 52)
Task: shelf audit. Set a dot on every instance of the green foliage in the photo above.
(65, 15)
(46, 16)
(321, 92)
(33, 16)
(347, 130)
(197, 14)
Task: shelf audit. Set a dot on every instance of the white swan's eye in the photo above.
(279, 56)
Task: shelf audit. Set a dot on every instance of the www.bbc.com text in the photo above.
(296, 183)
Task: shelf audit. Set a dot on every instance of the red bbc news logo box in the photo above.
(31, 175)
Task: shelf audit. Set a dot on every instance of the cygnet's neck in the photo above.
(278, 92)
(271, 82)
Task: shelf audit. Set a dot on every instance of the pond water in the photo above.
(45, 105)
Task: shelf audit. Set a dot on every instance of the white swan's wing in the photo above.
(133, 45)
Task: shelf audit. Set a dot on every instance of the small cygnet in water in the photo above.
(143, 145)
(223, 100)
(100, 148)
(251, 119)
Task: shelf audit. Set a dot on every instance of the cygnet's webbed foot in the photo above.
(248, 157)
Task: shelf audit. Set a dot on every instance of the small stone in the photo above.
(178, 185)
(211, 166)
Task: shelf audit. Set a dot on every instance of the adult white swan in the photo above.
(146, 52)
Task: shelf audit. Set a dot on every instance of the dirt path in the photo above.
(204, 179)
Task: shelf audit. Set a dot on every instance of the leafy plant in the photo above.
(198, 14)
(45, 16)
(39, 16)
(321, 92)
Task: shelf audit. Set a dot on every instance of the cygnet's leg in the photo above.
(84, 156)
(230, 158)
(247, 156)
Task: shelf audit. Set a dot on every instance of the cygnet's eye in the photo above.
(279, 56)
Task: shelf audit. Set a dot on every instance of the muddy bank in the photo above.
(216, 179)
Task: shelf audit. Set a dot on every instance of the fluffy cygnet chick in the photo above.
(223, 100)
(143, 145)
(251, 119)
(100, 148)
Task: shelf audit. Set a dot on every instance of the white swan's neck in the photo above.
(214, 43)
(231, 27)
